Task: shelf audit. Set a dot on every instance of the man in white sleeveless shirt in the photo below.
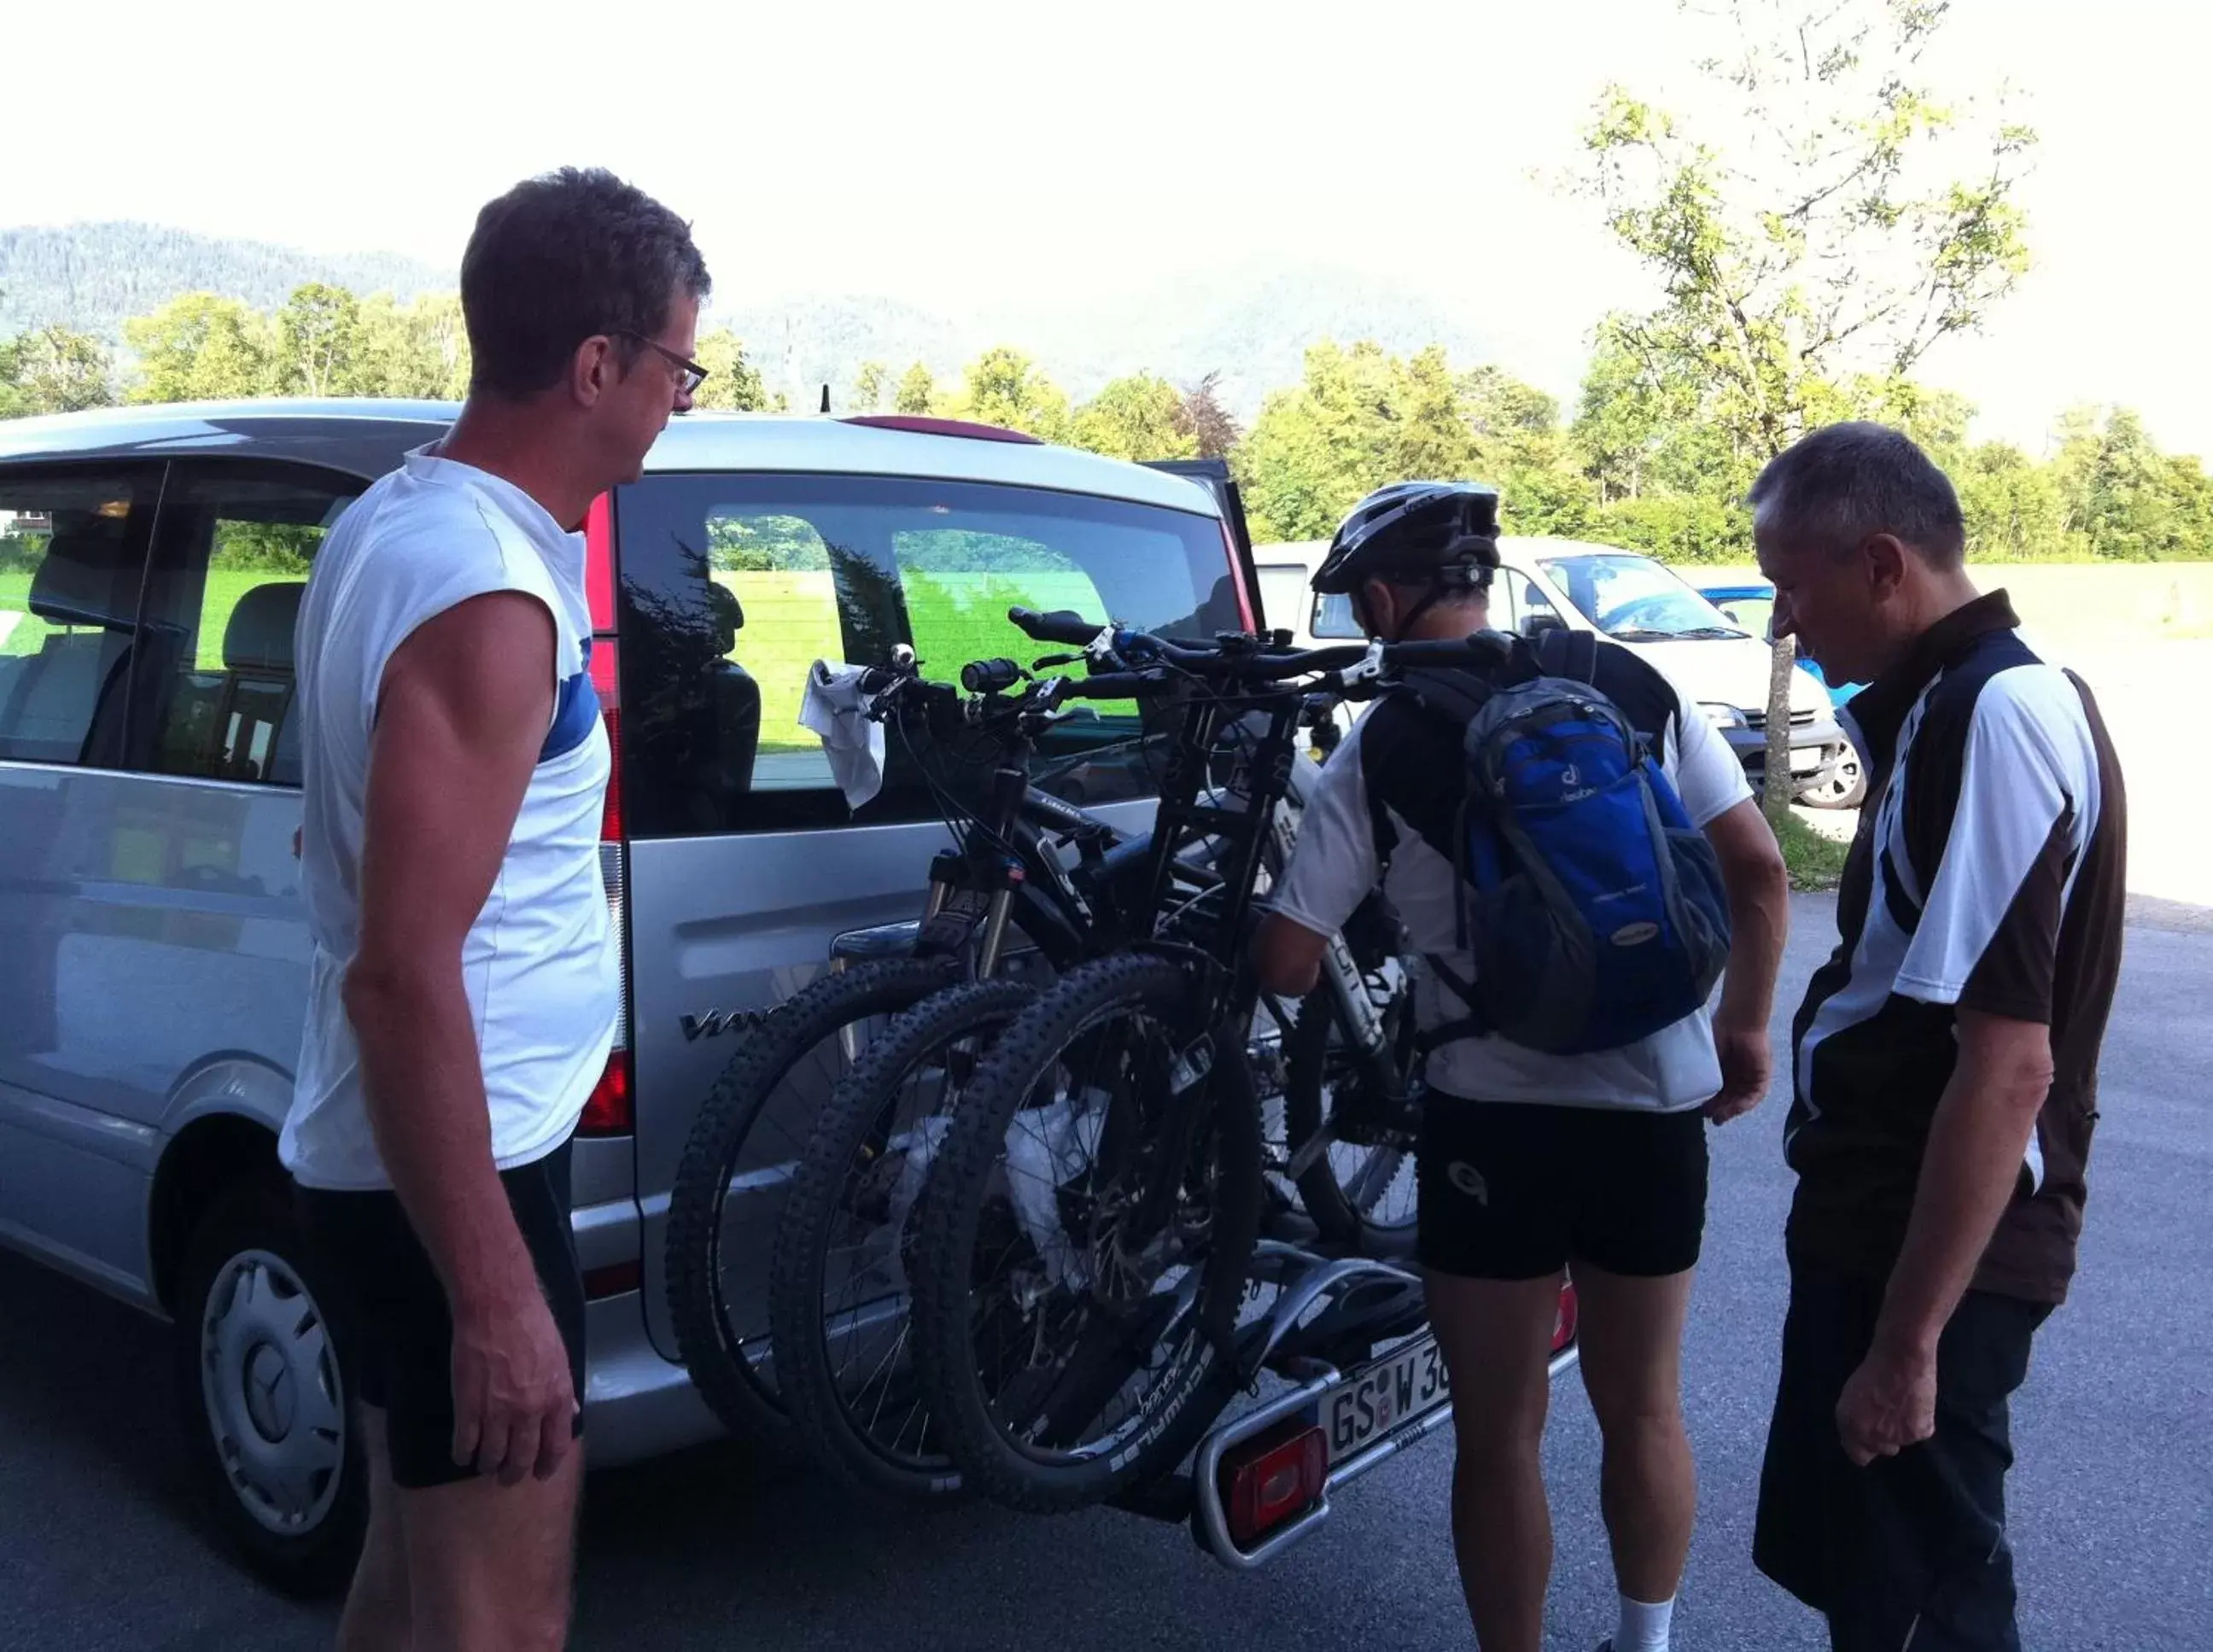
(464, 987)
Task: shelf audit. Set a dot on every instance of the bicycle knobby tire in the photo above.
(1181, 1405)
(742, 1396)
(821, 1410)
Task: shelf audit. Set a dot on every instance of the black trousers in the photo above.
(1908, 1554)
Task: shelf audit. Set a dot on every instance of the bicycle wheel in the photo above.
(747, 1136)
(838, 1298)
(1071, 1338)
(1361, 1190)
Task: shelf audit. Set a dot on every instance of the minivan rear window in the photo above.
(732, 586)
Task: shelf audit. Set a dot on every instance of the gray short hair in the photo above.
(1845, 481)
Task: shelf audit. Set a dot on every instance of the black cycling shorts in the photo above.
(394, 1330)
(1513, 1190)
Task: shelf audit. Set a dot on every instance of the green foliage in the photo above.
(316, 332)
(1004, 387)
(764, 544)
(918, 392)
(200, 347)
(2125, 500)
(1855, 222)
(51, 370)
(265, 547)
(1138, 418)
(1829, 222)
(420, 349)
(733, 383)
(1362, 418)
(1655, 456)
(872, 383)
(1813, 861)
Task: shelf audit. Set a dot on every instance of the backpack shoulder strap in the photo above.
(1570, 654)
(1454, 695)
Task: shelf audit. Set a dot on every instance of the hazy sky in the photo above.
(965, 154)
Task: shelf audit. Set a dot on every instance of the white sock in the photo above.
(1644, 1628)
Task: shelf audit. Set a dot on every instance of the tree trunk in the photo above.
(1775, 797)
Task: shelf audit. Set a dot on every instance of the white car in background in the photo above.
(1630, 598)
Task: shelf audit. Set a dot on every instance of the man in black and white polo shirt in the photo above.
(1529, 1162)
(1944, 1058)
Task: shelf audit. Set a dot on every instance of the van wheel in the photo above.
(265, 1396)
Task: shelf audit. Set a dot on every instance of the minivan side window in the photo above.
(732, 586)
(231, 556)
(72, 558)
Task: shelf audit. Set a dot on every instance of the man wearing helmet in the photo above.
(1530, 1162)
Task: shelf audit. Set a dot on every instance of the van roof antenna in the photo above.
(825, 398)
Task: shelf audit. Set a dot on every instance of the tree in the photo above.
(51, 370)
(200, 347)
(1213, 431)
(1138, 418)
(918, 392)
(870, 385)
(1004, 387)
(1838, 221)
(1362, 417)
(2014, 507)
(317, 333)
(2125, 501)
(420, 349)
(734, 384)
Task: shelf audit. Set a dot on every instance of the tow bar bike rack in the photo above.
(1275, 1455)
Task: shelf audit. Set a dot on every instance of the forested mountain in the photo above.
(89, 277)
(1252, 328)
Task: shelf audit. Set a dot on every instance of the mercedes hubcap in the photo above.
(269, 1376)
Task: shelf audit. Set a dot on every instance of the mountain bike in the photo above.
(1082, 1238)
(1008, 899)
(838, 1294)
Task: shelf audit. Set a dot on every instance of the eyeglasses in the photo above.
(693, 374)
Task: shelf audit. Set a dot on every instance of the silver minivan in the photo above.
(153, 954)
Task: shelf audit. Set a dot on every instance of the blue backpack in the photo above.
(1593, 907)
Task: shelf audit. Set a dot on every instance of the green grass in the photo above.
(1814, 862)
(28, 631)
(225, 586)
(791, 621)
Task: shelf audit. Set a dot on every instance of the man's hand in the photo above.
(1759, 890)
(1888, 1403)
(1748, 1065)
(514, 1405)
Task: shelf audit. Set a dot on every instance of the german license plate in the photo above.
(1404, 1384)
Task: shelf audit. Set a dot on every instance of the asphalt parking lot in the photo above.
(2112, 1498)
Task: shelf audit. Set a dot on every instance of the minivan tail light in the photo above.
(608, 1112)
(605, 679)
(600, 562)
(1269, 1478)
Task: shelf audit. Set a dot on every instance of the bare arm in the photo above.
(462, 712)
(1287, 956)
(1758, 889)
(1968, 1173)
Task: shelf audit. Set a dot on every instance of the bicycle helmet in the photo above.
(1415, 532)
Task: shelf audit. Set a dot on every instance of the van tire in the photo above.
(265, 1397)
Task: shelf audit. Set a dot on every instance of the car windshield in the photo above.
(1633, 598)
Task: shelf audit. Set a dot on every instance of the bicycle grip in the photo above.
(1061, 626)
